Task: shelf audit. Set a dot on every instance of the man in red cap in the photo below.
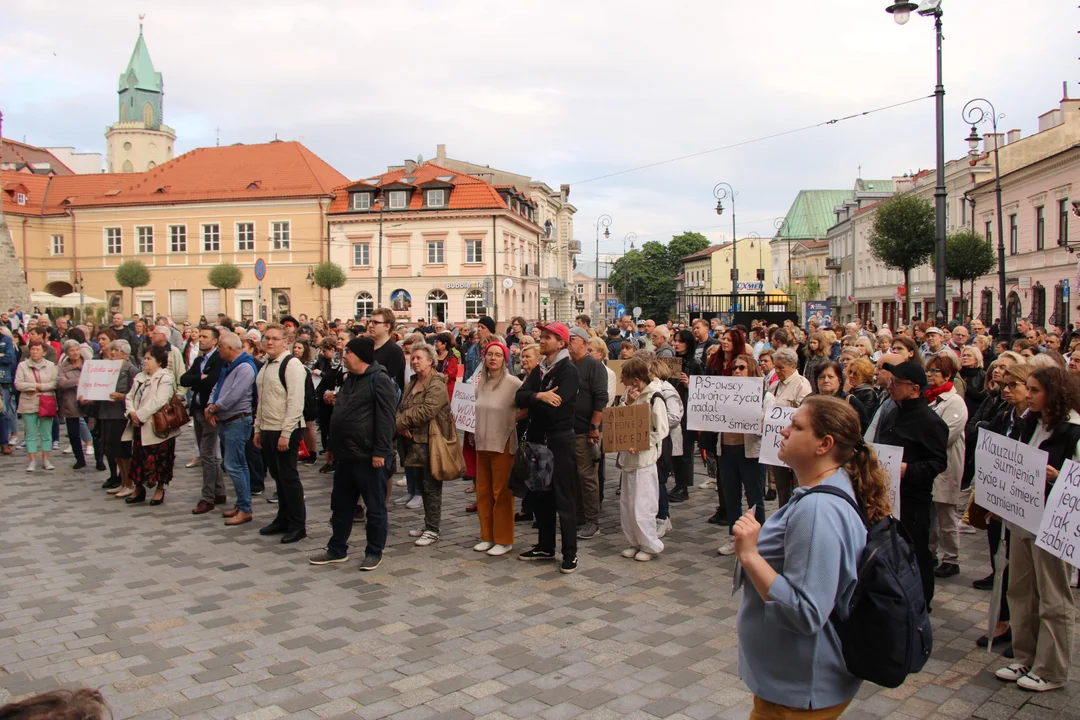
(550, 395)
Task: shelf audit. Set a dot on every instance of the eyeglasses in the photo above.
(1012, 385)
(267, 338)
(742, 367)
(934, 371)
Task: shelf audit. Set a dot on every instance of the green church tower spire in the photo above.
(141, 88)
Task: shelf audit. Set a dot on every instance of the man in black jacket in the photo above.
(923, 435)
(202, 378)
(592, 398)
(362, 440)
(550, 395)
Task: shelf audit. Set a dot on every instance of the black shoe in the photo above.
(310, 460)
(678, 495)
(273, 529)
(1008, 652)
(986, 583)
(156, 501)
(1005, 637)
(327, 468)
(138, 497)
(370, 562)
(79, 465)
(522, 517)
(535, 553)
(100, 467)
(947, 570)
(293, 536)
(718, 518)
(568, 566)
(325, 558)
(257, 492)
(770, 494)
(113, 482)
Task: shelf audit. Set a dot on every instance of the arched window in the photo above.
(365, 305)
(148, 115)
(1058, 317)
(474, 304)
(438, 304)
(986, 309)
(128, 167)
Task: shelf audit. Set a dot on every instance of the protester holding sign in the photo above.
(737, 460)
(672, 446)
(67, 386)
(1043, 612)
(789, 391)
(720, 362)
(640, 488)
(802, 566)
(496, 444)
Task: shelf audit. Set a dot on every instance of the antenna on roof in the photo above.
(275, 136)
(217, 143)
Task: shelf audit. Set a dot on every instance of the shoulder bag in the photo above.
(46, 403)
(447, 460)
(170, 418)
(534, 465)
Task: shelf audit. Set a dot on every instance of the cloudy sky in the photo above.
(564, 91)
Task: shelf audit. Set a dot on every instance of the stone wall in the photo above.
(13, 288)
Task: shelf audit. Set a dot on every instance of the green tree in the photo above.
(682, 246)
(225, 276)
(646, 276)
(903, 236)
(968, 257)
(132, 274)
(329, 276)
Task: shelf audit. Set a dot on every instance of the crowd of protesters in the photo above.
(373, 396)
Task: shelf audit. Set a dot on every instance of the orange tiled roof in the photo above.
(21, 154)
(468, 193)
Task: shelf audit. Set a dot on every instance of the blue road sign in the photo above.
(612, 302)
(260, 269)
(620, 311)
(1065, 288)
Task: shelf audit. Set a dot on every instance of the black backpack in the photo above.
(311, 408)
(887, 634)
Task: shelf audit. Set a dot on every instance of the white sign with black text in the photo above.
(1010, 478)
(725, 404)
(1059, 534)
(463, 406)
(890, 457)
(776, 419)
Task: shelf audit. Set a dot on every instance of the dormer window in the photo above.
(361, 201)
(20, 198)
(398, 199)
(435, 198)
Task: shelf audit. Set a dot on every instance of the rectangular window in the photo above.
(1014, 236)
(580, 289)
(211, 238)
(989, 233)
(145, 239)
(435, 252)
(114, 241)
(963, 211)
(56, 246)
(398, 199)
(20, 198)
(178, 238)
(1040, 228)
(361, 201)
(474, 251)
(361, 254)
(279, 235)
(1063, 222)
(599, 288)
(436, 198)
(245, 237)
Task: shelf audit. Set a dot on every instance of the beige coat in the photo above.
(146, 397)
(29, 398)
(951, 408)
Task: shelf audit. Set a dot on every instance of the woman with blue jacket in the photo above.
(802, 564)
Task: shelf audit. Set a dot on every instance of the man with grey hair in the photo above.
(202, 378)
(791, 389)
(159, 336)
(660, 336)
(232, 403)
(589, 404)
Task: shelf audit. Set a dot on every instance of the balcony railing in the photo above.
(833, 263)
(573, 246)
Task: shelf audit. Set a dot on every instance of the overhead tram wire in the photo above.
(741, 143)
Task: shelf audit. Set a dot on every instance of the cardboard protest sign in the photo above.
(890, 457)
(1059, 533)
(616, 367)
(776, 419)
(98, 379)
(625, 427)
(675, 364)
(463, 406)
(725, 404)
(1010, 478)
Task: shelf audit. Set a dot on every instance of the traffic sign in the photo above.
(637, 313)
(260, 269)
(620, 311)
(1065, 288)
(612, 302)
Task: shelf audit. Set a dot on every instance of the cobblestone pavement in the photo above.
(175, 615)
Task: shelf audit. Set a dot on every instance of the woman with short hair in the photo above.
(859, 383)
(152, 457)
(830, 381)
(949, 405)
(72, 409)
(35, 378)
(802, 566)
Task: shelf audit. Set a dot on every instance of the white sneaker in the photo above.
(707, 484)
(1012, 673)
(49, 465)
(966, 529)
(629, 553)
(416, 533)
(497, 550)
(1034, 683)
(403, 499)
(415, 502)
(401, 482)
(32, 467)
(427, 539)
(643, 556)
(662, 527)
(483, 546)
(56, 445)
(727, 548)
(68, 450)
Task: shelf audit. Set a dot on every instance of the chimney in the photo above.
(993, 141)
(410, 166)
(440, 154)
(1050, 120)
(1013, 136)
(564, 190)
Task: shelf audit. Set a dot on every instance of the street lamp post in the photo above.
(975, 112)
(722, 192)
(754, 237)
(378, 298)
(631, 236)
(604, 220)
(779, 224)
(901, 12)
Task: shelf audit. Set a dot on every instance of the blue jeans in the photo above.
(8, 422)
(410, 482)
(234, 439)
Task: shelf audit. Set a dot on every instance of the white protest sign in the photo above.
(1010, 478)
(725, 404)
(1059, 534)
(776, 419)
(890, 457)
(98, 379)
(463, 406)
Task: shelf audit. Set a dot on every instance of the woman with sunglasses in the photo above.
(721, 361)
(737, 459)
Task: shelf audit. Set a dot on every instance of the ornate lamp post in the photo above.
(605, 221)
(976, 112)
(901, 12)
(721, 192)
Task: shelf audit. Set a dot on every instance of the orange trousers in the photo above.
(494, 501)
(765, 710)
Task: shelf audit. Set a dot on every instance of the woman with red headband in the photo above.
(496, 445)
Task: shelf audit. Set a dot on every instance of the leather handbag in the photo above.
(534, 465)
(46, 403)
(447, 460)
(170, 418)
